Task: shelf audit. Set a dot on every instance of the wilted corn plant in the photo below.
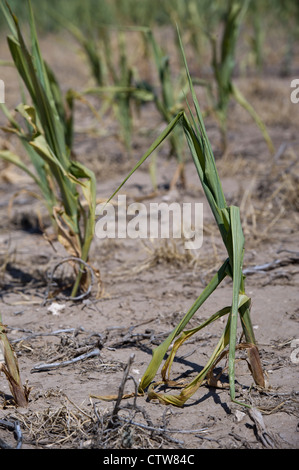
(168, 103)
(122, 85)
(111, 71)
(223, 63)
(256, 13)
(116, 81)
(47, 139)
(192, 17)
(126, 90)
(228, 221)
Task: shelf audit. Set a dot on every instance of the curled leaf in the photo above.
(9, 366)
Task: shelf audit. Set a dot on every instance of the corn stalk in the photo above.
(229, 225)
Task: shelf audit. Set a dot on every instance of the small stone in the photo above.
(239, 415)
(55, 308)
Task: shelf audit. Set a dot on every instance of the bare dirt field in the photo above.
(71, 354)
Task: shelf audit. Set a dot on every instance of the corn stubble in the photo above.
(229, 225)
(9, 366)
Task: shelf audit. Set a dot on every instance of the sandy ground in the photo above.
(149, 286)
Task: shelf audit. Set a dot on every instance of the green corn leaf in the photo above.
(15, 159)
(33, 73)
(43, 176)
(237, 252)
(167, 131)
(160, 351)
(206, 155)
